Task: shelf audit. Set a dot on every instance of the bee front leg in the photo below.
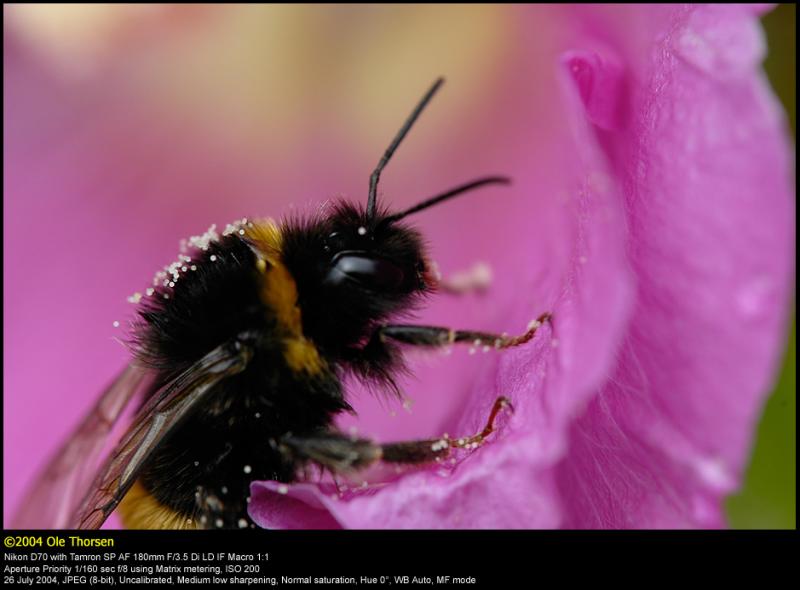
(339, 453)
(438, 336)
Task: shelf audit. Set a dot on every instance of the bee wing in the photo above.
(53, 497)
(153, 423)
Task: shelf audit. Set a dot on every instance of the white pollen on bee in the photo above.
(203, 519)
(165, 283)
(486, 348)
(219, 523)
(135, 298)
(171, 283)
(150, 292)
(258, 414)
(213, 258)
(247, 499)
(193, 267)
(242, 523)
(203, 241)
(477, 342)
(173, 268)
(283, 489)
(534, 324)
(115, 324)
(224, 489)
(247, 469)
(197, 463)
(498, 342)
(236, 227)
(166, 296)
(362, 231)
(184, 268)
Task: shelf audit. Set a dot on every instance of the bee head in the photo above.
(357, 266)
(378, 256)
(352, 273)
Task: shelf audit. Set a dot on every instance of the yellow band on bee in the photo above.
(140, 510)
(279, 293)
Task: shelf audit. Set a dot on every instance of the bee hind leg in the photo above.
(340, 453)
(424, 451)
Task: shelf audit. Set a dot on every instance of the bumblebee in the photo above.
(240, 347)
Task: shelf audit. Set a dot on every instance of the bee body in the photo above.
(200, 475)
(240, 350)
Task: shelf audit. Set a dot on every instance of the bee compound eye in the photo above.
(370, 272)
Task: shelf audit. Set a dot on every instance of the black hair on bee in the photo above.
(240, 350)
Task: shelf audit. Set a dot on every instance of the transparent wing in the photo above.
(154, 421)
(53, 497)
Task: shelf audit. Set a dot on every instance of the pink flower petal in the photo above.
(601, 86)
(710, 215)
(303, 506)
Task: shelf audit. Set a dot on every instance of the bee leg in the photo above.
(334, 451)
(425, 451)
(437, 336)
(342, 454)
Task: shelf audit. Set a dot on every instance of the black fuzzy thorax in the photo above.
(340, 319)
(204, 469)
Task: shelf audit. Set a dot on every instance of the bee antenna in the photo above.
(430, 202)
(376, 174)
